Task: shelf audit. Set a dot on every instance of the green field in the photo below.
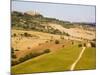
(58, 61)
(55, 61)
(88, 60)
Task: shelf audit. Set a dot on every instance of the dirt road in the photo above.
(76, 61)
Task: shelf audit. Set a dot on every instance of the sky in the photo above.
(66, 12)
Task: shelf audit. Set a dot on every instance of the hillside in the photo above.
(44, 44)
(37, 22)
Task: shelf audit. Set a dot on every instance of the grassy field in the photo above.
(60, 60)
(44, 44)
(88, 60)
(38, 42)
(57, 60)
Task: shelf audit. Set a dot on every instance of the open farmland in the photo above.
(37, 42)
(56, 61)
(40, 44)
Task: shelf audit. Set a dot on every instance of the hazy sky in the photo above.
(73, 13)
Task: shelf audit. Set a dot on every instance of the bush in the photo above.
(94, 39)
(72, 42)
(12, 50)
(13, 56)
(14, 35)
(14, 63)
(57, 42)
(93, 44)
(46, 41)
(32, 55)
(84, 44)
(67, 34)
(80, 45)
(28, 48)
(51, 40)
(29, 56)
(63, 45)
(16, 50)
(21, 60)
(40, 44)
(21, 34)
(46, 50)
(26, 57)
(27, 35)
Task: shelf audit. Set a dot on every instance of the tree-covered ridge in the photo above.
(36, 22)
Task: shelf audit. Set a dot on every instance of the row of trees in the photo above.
(92, 44)
(29, 56)
(24, 34)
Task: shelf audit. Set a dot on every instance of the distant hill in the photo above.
(32, 20)
(36, 21)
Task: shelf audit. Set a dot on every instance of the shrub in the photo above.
(28, 48)
(14, 63)
(39, 44)
(84, 44)
(63, 45)
(93, 44)
(21, 60)
(51, 40)
(46, 50)
(14, 35)
(13, 56)
(16, 50)
(94, 39)
(80, 45)
(46, 41)
(67, 34)
(21, 34)
(12, 50)
(72, 42)
(27, 35)
(57, 42)
(32, 55)
(29, 56)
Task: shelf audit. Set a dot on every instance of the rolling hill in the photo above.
(44, 44)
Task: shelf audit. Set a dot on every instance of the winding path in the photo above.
(76, 61)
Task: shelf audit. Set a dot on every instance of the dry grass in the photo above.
(37, 43)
